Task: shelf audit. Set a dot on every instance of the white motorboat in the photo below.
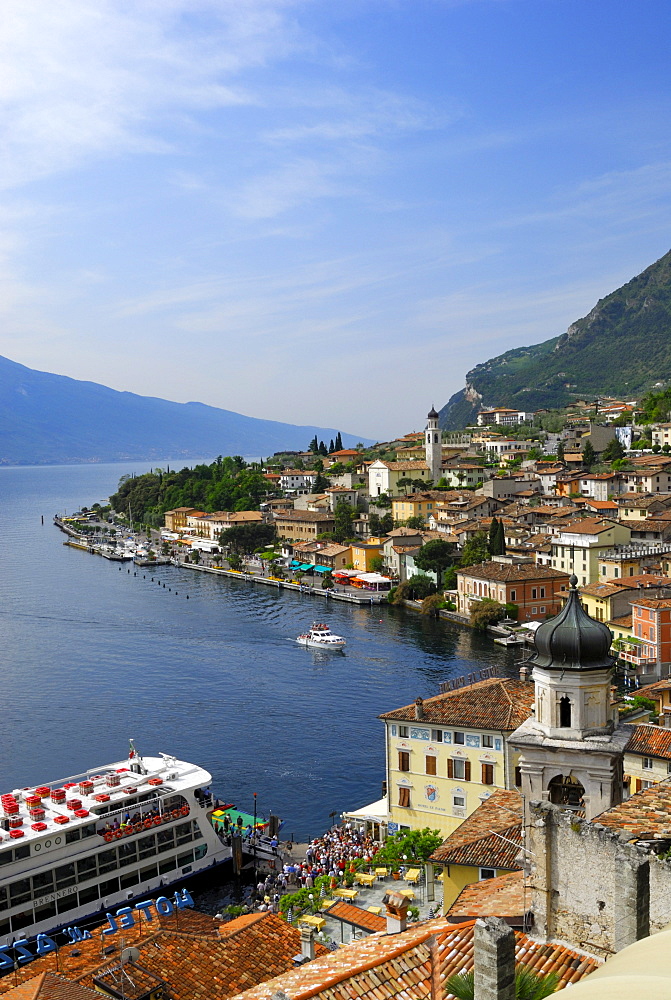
(320, 636)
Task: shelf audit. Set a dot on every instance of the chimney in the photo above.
(524, 672)
(397, 911)
(494, 959)
(307, 943)
(419, 708)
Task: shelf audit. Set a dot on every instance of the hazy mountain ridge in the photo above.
(53, 419)
(621, 348)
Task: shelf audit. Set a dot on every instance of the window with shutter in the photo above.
(403, 760)
(450, 768)
(639, 784)
(404, 797)
(518, 777)
(467, 771)
(487, 774)
(431, 765)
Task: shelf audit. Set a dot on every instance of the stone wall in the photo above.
(589, 886)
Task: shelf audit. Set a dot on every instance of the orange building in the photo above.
(651, 629)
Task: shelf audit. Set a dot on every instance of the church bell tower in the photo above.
(572, 746)
(433, 447)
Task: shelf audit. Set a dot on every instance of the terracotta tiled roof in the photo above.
(197, 956)
(651, 602)
(504, 896)
(385, 967)
(497, 703)
(650, 741)
(605, 589)
(589, 526)
(650, 690)
(407, 466)
(647, 812)
(624, 621)
(474, 842)
(49, 986)
(303, 515)
(512, 572)
(357, 916)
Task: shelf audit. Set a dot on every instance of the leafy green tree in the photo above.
(416, 588)
(377, 564)
(235, 561)
(374, 523)
(656, 448)
(343, 516)
(613, 451)
(588, 455)
(475, 550)
(432, 604)
(560, 451)
(415, 522)
(247, 537)
(417, 845)
(486, 612)
(386, 523)
(436, 556)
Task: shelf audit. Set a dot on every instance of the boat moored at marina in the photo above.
(320, 636)
(75, 849)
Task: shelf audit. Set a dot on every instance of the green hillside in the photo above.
(621, 348)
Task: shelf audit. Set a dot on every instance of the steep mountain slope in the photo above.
(47, 419)
(621, 348)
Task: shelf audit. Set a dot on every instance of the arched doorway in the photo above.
(565, 790)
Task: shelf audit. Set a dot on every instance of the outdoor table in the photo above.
(381, 872)
(346, 893)
(408, 893)
(365, 879)
(412, 874)
(313, 921)
(374, 909)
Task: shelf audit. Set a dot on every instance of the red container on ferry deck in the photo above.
(37, 814)
(42, 790)
(58, 795)
(16, 834)
(11, 808)
(129, 790)
(101, 797)
(85, 787)
(81, 813)
(70, 784)
(61, 819)
(155, 781)
(33, 800)
(113, 780)
(39, 826)
(14, 822)
(74, 804)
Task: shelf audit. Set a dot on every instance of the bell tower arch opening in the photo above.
(565, 712)
(565, 790)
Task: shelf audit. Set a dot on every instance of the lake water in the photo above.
(93, 655)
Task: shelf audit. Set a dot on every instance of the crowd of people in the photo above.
(329, 855)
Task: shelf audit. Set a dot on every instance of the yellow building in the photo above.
(606, 601)
(647, 756)
(446, 753)
(415, 505)
(580, 544)
(175, 520)
(363, 554)
(486, 844)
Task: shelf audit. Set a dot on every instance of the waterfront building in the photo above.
(445, 754)
(535, 589)
(365, 554)
(303, 525)
(176, 520)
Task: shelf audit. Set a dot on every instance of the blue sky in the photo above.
(322, 212)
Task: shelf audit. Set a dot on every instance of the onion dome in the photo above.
(572, 640)
(433, 415)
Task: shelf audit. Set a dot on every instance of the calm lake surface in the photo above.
(93, 655)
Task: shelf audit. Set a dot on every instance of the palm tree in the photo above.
(529, 985)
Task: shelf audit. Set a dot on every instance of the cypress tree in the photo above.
(322, 448)
(338, 442)
(500, 540)
(331, 446)
(493, 536)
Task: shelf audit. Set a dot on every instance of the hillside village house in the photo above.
(502, 416)
(661, 434)
(415, 505)
(635, 559)
(302, 481)
(601, 485)
(447, 753)
(210, 525)
(383, 477)
(578, 546)
(303, 525)
(536, 590)
(461, 474)
(633, 507)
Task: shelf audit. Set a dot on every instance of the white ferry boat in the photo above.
(74, 849)
(320, 636)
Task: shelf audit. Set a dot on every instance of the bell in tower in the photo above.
(433, 447)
